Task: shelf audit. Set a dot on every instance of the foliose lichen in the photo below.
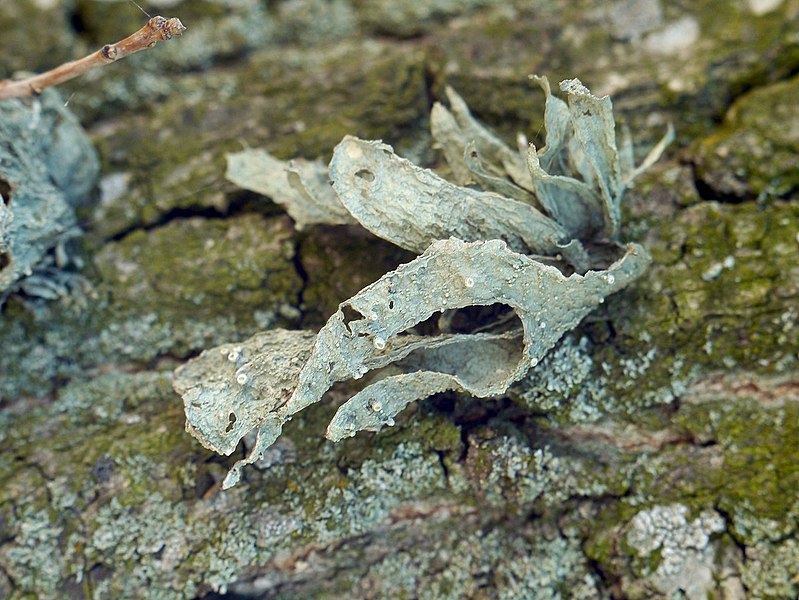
(538, 237)
(47, 168)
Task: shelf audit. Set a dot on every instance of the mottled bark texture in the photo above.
(651, 453)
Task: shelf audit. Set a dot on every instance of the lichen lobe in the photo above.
(451, 274)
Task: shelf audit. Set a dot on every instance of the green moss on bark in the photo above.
(754, 153)
(180, 285)
(173, 157)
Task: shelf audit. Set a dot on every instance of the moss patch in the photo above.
(754, 153)
(199, 277)
(173, 157)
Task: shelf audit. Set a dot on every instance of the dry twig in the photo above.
(157, 29)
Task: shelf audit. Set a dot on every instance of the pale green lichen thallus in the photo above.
(512, 229)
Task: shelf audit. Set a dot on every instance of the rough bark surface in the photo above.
(652, 453)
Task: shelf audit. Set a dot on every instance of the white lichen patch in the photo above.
(684, 547)
(512, 567)
(634, 368)
(631, 19)
(716, 268)
(564, 369)
(536, 473)
(762, 7)
(675, 38)
(378, 487)
(770, 569)
(34, 557)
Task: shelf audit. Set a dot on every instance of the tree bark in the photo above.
(651, 453)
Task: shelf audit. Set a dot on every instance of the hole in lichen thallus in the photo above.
(470, 319)
(5, 199)
(366, 175)
(5, 191)
(231, 422)
(350, 315)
